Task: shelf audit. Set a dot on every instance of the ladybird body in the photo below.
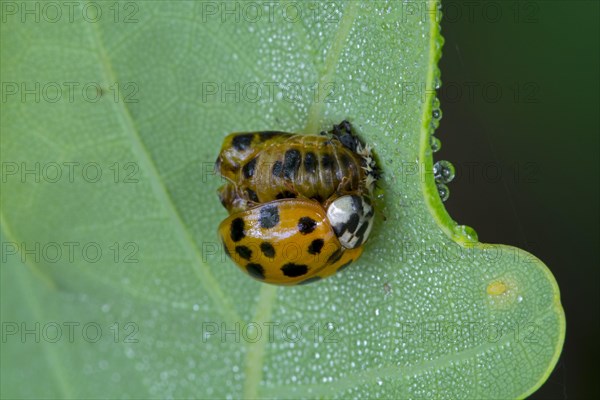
(286, 242)
(299, 205)
(265, 166)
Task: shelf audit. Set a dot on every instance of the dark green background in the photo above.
(527, 154)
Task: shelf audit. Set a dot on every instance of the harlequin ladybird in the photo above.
(291, 241)
(264, 166)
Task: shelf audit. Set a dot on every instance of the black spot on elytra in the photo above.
(286, 195)
(326, 161)
(335, 257)
(310, 163)
(237, 230)
(310, 280)
(344, 266)
(316, 246)
(242, 142)
(269, 216)
(243, 252)
(291, 162)
(306, 225)
(248, 169)
(277, 168)
(256, 270)
(267, 249)
(294, 270)
(252, 195)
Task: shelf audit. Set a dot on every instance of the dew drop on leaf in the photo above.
(443, 171)
(443, 191)
(435, 143)
(467, 233)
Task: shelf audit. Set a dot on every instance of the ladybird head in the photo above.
(351, 217)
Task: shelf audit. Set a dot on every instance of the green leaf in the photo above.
(114, 285)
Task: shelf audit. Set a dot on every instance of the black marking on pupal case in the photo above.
(277, 168)
(252, 195)
(291, 163)
(310, 163)
(248, 169)
(286, 194)
(242, 142)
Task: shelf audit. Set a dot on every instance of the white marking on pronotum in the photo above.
(352, 219)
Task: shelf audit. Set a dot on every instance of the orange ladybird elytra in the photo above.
(287, 242)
